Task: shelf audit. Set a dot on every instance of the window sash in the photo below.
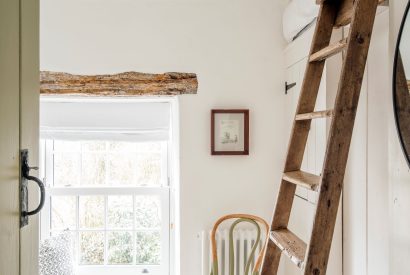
(106, 190)
(47, 155)
(163, 192)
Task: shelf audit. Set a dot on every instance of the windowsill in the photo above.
(120, 269)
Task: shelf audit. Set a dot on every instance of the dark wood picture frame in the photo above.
(245, 113)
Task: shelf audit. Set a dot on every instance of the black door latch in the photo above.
(24, 178)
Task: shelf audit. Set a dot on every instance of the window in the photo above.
(113, 195)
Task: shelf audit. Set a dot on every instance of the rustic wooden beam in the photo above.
(122, 84)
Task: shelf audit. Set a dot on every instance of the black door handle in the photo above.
(42, 196)
(24, 178)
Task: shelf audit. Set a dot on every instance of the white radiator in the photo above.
(244, 239)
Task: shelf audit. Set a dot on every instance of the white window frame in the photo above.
(163, 192)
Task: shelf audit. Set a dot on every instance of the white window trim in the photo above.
(173, 262)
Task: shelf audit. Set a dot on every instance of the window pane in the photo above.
(148, 169)
(63, 212)
(147, 212)
(94, 145)
(148, 247)
(67, 169)
(122, 169)
(93, 169)
(120, 212)
(67, 146)
(149, 147)
(120, 248)
(91, 248)
(91, 211)
(120, 146)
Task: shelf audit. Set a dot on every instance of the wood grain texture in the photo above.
(122, 84)
(300, 131)
(328, 51)
(304, 179)
(361, 15)
(380, 2)
(383, 2)
(290, 244)
(340, 136)
(402, 104)
(313, 115)
(345, 15)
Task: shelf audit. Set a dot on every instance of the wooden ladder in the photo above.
(312, 257)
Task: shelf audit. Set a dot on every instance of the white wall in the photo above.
(235, 47)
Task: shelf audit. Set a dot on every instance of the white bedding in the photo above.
(297, 15)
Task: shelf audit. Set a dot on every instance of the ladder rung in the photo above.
(383, 2)
(312, 256)
(345, 14)
(344, 17)
(290, 244)
(328, 51)
(304, 179)
(313, 115)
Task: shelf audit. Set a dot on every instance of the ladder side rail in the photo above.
(300, 131)
(306, 104)
(340, 137)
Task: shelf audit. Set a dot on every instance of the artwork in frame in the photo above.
(230, 132)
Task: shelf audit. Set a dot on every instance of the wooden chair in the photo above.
(257, 222)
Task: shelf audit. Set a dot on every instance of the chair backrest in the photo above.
(256, 221)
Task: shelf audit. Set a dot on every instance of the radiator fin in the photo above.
(244, 239)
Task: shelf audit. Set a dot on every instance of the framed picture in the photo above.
(230, 132)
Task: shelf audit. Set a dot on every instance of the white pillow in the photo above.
(56, 257)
